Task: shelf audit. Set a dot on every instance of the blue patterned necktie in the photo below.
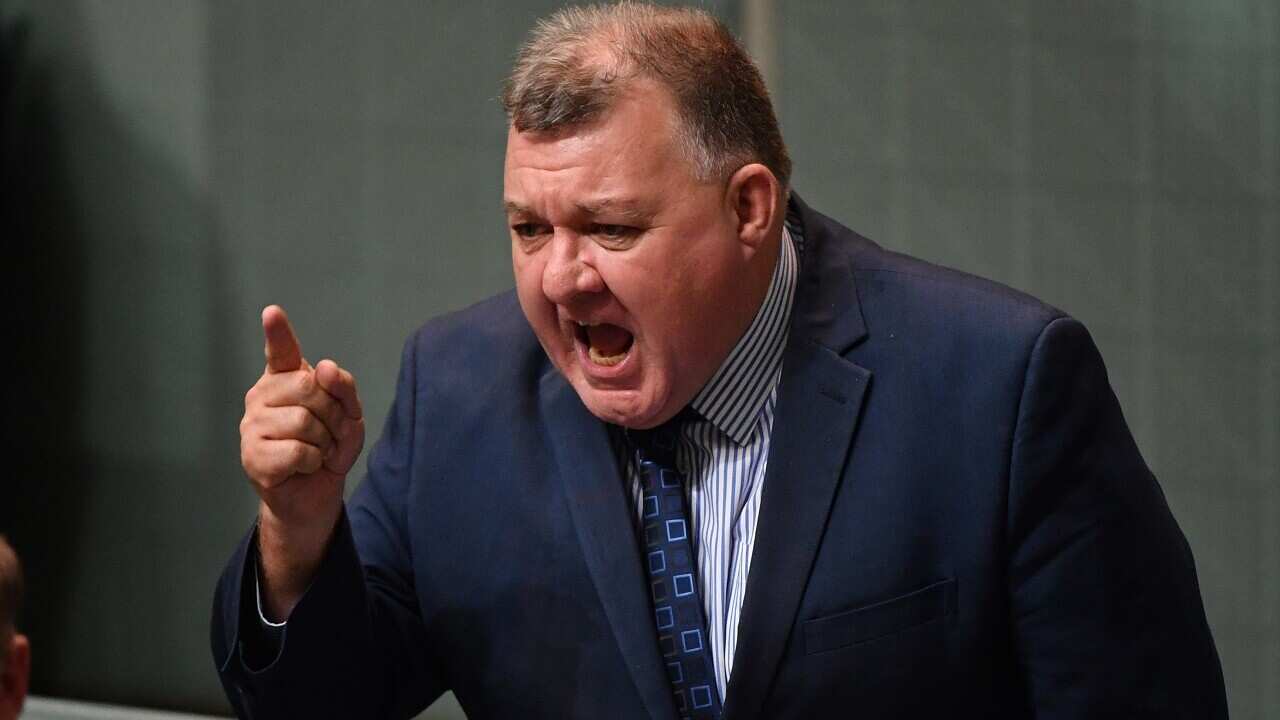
(677, 604)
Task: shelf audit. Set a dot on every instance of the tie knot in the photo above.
(658, 444)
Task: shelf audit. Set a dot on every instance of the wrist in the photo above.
(289, 554)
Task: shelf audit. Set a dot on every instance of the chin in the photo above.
(628, 408)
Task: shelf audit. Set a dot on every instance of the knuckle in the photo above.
(306, 383)
(308, 458)
(321, 403)
(253, 467)
(305, 455)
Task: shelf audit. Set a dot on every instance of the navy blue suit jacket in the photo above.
(955, 522)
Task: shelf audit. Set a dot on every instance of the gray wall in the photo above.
(174, 165)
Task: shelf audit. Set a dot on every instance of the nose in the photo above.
(569, 272)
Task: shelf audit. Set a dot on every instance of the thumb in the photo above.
(282, 349)
(346, 447)
(341, 384)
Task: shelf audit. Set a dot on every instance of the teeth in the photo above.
(606, 360)
(596, 356)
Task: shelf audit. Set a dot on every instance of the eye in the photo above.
(614, 234)
(528, 231)
(531, 236)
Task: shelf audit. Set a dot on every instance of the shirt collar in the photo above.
(737, 392)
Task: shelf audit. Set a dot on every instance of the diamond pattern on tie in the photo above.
(677, 605)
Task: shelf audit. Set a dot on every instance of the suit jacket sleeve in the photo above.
(356, 644)
(1107, 615)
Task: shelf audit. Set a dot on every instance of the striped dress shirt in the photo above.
(723, 453)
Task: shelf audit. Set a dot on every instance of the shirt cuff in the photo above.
(257, 595)
(260, 639)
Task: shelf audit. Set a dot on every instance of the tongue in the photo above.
(608, 339)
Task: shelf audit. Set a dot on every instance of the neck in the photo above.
(757, 279)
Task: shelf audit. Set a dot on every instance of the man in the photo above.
(717, 456)
(15, 651)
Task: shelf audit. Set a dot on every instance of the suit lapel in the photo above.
(603, 518)
(819, 401)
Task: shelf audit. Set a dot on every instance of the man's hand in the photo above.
(302, 430)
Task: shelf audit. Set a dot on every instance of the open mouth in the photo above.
(606, 344)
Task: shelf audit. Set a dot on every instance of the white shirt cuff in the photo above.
(257, 593)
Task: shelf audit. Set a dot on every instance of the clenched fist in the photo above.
(302, 430)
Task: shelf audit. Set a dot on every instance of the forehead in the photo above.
(632, 148)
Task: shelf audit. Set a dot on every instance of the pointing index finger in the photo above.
(282, 349)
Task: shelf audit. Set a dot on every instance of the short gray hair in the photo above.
(10, 596)
(571, 68)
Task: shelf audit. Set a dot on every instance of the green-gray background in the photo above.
(171, 166)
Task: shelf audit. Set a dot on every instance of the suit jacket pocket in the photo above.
(883, 618)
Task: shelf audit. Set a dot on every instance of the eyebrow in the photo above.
(515, 208)
(627, 209)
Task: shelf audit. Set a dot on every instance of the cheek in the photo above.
(655, 294)
(527, 269)
(528, 277)
(688, 306)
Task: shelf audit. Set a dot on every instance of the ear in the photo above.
(753, 196)
(15, 676)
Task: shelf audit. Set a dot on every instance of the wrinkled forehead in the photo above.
(629, 152)
(639, 127)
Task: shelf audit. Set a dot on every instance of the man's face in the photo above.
(626, 265)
